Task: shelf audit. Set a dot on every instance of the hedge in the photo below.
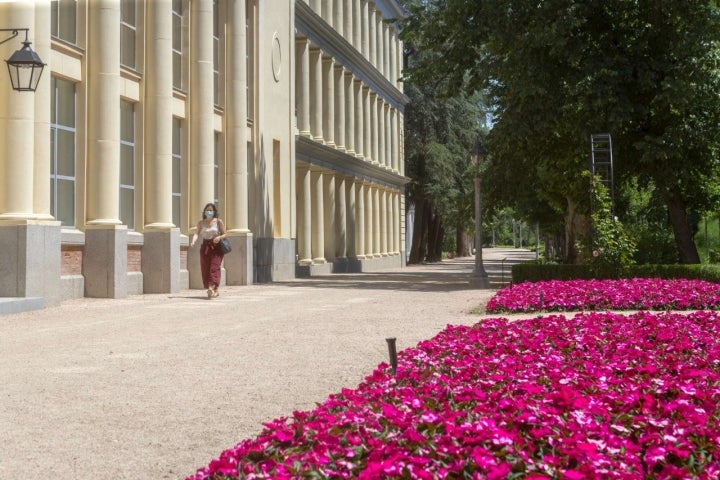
(534, 272)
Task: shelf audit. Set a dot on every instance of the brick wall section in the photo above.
(71, 260)
(134, 258)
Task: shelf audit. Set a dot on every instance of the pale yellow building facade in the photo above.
(287, 114)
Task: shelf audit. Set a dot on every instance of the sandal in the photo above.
(215, 293)
(210, 293)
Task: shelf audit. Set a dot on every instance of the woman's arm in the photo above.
(195, 235)
(223, 232)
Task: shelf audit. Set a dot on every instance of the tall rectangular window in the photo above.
(127, 164)
(177, 42)
(63, 18)
(216, 53)
(177, 171)
(62, 151)
(127, 33)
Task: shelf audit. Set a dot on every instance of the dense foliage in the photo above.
(558, 71)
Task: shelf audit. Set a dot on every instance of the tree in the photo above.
(558, 70)
(437, 143)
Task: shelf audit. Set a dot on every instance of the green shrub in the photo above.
(534, 272)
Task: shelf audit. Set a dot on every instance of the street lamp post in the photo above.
(480, 277)
(24, 66)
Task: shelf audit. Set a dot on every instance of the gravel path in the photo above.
(156, 386)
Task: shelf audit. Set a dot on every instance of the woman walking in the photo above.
(211, 229)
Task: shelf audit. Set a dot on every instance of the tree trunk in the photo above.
(419, 240)
(435, 235)
(687, 249)
(462, 248)
(570, 256)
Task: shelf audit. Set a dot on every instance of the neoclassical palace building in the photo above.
(287, 114)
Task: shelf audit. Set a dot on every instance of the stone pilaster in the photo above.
(359, 219)
(349, 114)
(302, 79)
(340, 130)
(375, 120)
(329, 225)
(304, 213)
(318, 220)
(359, 120)
(340, 218)
(316, 94)
(328, 100)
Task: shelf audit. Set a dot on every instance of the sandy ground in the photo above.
(156, 386)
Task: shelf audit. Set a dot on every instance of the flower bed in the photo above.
(628, 294)
(599, 395)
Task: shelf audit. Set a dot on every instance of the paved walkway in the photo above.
(156, 386)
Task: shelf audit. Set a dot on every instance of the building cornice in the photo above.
(315, 153)
(310, 25)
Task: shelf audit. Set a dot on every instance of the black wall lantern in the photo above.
(24, 65)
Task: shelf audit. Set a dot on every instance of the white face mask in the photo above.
(209, 213)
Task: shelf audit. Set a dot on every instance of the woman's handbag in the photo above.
(225, 247)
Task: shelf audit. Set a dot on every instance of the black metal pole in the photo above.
(393, 353)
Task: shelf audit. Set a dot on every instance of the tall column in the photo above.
(388, 135)
(349, 114)
(367, 125)
(395, 140)
(377, 228)
(365, 29)
(397, 219)
(30, 239)
(340, 217)
(158, 117)
(386, 51)
(357, 25)
(381, 133)
(328, 185)
(42, 98)
(339, 126)
(369, 220)
(238, 268)
(383, 222)
(393, 57)
(374, 139)
(350, 217)
(327, 12)
(316, 94)
(391, 221)
(302, 82)
(379, 42)
(161, 246)
(105, 254)
(359, 120)
(372, 34)
(360, 219)
(316, 6)
(201, 120)
(304, 213)
(400, 63)
(328, 101)
(17, 110)
(318, 221)
(347, 19)
(339, 16)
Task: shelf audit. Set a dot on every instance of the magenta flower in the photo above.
(627, 294)
(597, 395)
